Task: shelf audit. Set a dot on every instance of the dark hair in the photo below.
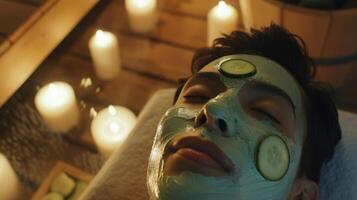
(276, 43)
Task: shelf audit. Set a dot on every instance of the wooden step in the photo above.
(13, 14)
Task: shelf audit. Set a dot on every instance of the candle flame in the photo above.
(92, 112)
(222, 4)
(223, 10)
(102, 37)
(112, 110)
(52, 88)
(141, 3)
(114, 127)
(99, 33)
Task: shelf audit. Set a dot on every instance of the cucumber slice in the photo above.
(53, 196)
(272, 158)
(80, 187)
(63, 184)
(237, 68)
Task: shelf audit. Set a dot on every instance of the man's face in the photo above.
(212, 144)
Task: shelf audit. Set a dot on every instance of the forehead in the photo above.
(267, 71)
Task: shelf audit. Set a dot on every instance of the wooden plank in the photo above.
(182, 30)
(2, 39)
(4, 45)
(140, 54)
(31, 2)
(37, 43)
(13, 14)
(171, 28)
(25, 26)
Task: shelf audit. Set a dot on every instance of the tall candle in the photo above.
(104, 50)
(223, 18)
(142, 14)
(56, 102)
(111, 127)
(10, 185)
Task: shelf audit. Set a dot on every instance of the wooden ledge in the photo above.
(36, 42)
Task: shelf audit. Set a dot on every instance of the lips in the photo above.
(196, 154)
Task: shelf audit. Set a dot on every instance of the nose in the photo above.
(211, 121)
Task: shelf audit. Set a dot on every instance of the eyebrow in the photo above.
(257, 84)
(208, 76)
(275, 90)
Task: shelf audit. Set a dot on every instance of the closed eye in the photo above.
(266, 114)
(197, 94)
(192, 98)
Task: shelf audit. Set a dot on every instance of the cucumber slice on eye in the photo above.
(272, 158)
(237, 68)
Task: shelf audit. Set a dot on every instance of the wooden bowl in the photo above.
(329, 34)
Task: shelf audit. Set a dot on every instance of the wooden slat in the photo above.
(31, 2)
(172, 28)
(28, 23)
(13, 14)
(142, 54)
(37, 43)
(4, 45)
(182, 30)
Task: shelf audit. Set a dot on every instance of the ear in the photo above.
(304, 189)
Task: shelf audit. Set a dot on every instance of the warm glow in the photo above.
(222, 4)
(141, 3)
(53, 89)
(112, 110)
(92, 113)
(102, 38)
(86, 82)
(114, 127)
(223, 9)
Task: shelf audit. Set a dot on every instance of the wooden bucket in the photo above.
(330, 35)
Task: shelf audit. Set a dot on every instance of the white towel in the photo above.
(339, 176)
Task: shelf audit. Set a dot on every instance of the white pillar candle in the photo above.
(56, 102)
(142, 14)
(111, 127)
(222, 18)
(104, 50)
(10, 185)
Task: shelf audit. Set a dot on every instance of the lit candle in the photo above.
(222, 18)
(10, 185)
(56, 102)
(104, 50)
(142, 15)
(110, 127)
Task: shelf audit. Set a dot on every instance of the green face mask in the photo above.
(252, 145)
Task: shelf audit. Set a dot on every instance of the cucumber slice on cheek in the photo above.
(272, 158)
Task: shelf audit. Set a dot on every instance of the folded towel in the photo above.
(339, 176)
